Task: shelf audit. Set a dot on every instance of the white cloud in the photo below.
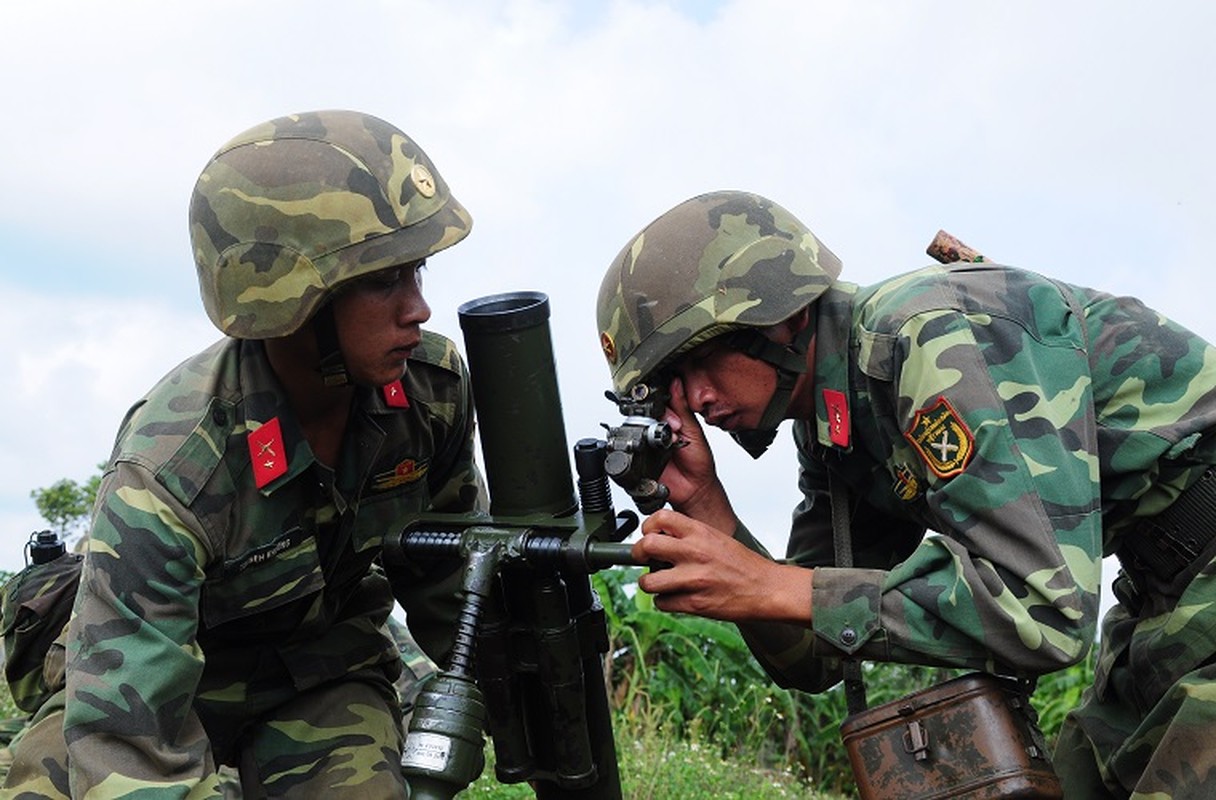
(78, 366)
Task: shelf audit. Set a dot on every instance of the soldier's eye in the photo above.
(381, 281)
(386, 281)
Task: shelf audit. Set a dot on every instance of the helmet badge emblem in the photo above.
(608, 346)
(423, 180)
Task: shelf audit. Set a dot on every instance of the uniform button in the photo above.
(219, 416)
(848, 637)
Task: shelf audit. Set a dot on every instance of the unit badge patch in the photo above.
(408, 471)
(941, 438)
(906, 485)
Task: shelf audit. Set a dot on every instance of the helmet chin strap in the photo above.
(790, 362)
(332, 365)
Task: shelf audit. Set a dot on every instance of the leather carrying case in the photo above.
(973, 737)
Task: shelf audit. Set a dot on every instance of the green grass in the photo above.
(657, 766)
(653, 766)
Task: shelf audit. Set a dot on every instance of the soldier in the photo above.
(232, 608)
(1031, 427)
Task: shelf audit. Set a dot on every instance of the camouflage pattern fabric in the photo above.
(973, 402)
(271, 241)
(339, 740)
(36, 604)
(1164, 752)
(39, 756)
(41, 764)
(416, 667)
(9, 728)
(660, 299)
(207, 604)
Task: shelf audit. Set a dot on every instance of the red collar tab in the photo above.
(267, 453)
(394, 395)
(838, 416)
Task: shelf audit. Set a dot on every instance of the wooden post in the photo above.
(947, 249)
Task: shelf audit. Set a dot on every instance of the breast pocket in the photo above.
(263, 579)
(382, 513)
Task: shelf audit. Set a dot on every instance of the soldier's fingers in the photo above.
(670, 602)
(657, 547)
(661, 581)
(679, 404)
(669, 522)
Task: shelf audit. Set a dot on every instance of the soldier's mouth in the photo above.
(404, 351)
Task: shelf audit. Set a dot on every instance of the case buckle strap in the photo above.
(916, 737)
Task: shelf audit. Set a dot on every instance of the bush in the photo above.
(695, 681)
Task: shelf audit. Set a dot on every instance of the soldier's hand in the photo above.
(713, 575)
(691, 476)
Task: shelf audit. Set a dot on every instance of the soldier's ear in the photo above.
(789, 328)
(802, 318)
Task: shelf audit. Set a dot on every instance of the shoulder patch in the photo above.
(942, 439)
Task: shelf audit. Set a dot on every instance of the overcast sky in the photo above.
(1074, 138)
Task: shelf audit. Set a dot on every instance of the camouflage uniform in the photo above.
(232, 607)
(37, 602)
(253, 597)
(1036, 427)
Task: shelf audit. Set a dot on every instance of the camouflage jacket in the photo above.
(970, 401)
(34, 608)
(205, 599)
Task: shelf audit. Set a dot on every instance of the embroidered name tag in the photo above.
(267, 552)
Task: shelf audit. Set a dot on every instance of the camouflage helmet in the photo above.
(718, 262)
(292, 208)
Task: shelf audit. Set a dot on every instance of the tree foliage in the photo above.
(67, 504)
